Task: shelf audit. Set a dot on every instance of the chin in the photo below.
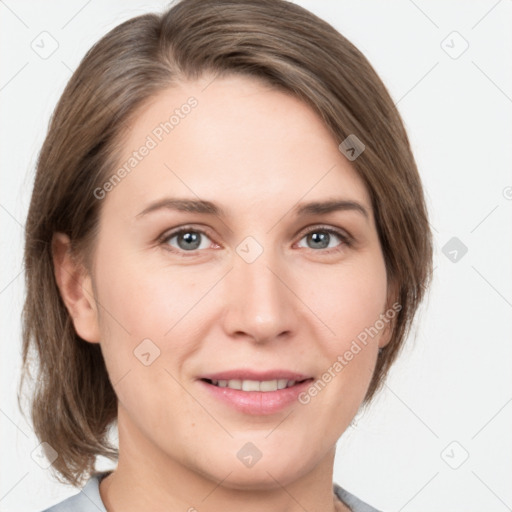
(261, 477)
(269, 470)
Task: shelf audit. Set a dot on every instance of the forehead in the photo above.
(234, 141)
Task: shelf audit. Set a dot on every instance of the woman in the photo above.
(226, 245)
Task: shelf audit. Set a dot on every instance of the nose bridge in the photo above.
(260, 305)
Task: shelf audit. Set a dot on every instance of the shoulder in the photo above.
(352, 502)
(87, 500)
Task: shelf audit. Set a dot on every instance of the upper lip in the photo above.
(246, 374)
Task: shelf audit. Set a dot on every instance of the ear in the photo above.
(392, 310)
(385, 336)
(75, 286)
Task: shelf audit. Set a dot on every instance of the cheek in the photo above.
(349, 301)
(140, 300)
(128, 306)
(141, 307)
(348, 298)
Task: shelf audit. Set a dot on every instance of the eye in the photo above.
(320, 237)
(187, 240)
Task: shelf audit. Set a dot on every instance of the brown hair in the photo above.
(283, 44)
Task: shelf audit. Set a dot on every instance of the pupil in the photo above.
(320, 240)
(189, 238)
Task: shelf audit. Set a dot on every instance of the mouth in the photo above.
(256, 397)
(264, 386)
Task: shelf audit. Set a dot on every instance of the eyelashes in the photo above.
(195, 238)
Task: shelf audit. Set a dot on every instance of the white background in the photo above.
(453, 382)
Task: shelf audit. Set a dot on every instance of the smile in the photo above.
(253, 385)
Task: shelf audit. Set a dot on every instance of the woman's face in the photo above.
(243, 288)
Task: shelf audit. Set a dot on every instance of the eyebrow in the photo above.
(209, 208)
(333, 205)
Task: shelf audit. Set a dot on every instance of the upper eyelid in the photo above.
(172, 233)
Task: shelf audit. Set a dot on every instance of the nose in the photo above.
(260, 303)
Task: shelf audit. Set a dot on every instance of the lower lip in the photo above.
(257, 402)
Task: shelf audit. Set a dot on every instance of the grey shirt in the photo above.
(89, 499)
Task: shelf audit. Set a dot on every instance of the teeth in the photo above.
(250, 385)
(254, 385)
(269, 385)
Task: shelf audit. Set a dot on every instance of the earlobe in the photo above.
(75, 286)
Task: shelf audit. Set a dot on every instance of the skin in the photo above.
(256, 152)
